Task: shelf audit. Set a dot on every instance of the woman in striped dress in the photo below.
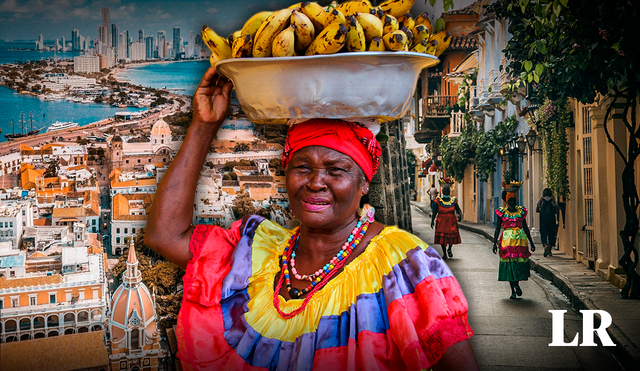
(512, 244)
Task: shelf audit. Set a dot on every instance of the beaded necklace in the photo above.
(319, 278)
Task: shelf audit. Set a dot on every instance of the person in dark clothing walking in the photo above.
(548, 209)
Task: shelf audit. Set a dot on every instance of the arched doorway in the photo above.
(83, 316)
(52, 333)
(11, 339)
(53, 321)
(38, 335)
(69, 331)
(10, 326)
(118, 251)
(96, 328)
(25, 337)
(69, 319)
(83, 329)
(96, 315)
(25, 324)
(38, 322)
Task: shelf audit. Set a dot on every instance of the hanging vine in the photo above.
(480, 145)
(552, 124)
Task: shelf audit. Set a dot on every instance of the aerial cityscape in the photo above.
(96, 102)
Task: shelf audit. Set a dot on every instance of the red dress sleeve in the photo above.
(212, 247)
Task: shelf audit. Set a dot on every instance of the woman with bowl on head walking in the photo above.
(512, 243)
(446, 215)
(341, 291)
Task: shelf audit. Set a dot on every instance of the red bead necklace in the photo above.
(322, 276)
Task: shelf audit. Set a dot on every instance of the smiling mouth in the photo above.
(317, 203)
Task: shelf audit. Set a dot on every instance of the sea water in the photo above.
(46, 113)
(177, 77)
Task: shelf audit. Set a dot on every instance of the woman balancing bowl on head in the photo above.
(340, 292)
(514, 253)
(446, 214)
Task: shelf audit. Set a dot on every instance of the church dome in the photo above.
(132, 305)
(161, 128)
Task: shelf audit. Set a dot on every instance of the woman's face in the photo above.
(324, 187)
(511, 202)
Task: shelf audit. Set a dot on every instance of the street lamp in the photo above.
(522, 144)
(531, 140)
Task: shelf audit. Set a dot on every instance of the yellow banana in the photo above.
(409, 36)
(420, 47)
(420, 33)
(316, 13)
(270, 28)
(406, 20)
(444, 39)
(371, 25)
(395, 40)
(356, 41)
(305, 32)
(352, 7)
(335, 16)
(218, 45)
(242, 47)
(329, 41)
(424, 20)
(376, 45)
(390, 23)
(396, 7)
(252, 24)
(213, 59)
(295, 6)
(232, 37)
(431, 47)
(284, 43)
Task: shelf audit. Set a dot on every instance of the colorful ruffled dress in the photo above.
(514, 250)
(446, 222)
(396, 306)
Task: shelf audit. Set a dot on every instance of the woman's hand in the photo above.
(495, 248)
(533, 247)
(432, 223)
(212, 99)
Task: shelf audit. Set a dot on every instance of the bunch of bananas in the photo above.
(307, 28)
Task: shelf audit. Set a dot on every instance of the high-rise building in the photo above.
(176, 42)
(141, 37)
(162, 44)
(114, 36)
(40, 43)
(127, 41)
(57, 45)
(64, 44)
(138, 51)
(103, 36)
(122, 46)
(149, 47)
(75, 40)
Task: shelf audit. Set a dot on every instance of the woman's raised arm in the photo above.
(169, 228)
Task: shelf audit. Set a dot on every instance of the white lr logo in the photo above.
(587, 329)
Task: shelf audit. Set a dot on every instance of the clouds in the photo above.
(26, 19)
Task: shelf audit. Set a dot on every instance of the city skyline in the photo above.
(26, 20)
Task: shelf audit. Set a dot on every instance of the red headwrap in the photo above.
(352, 139)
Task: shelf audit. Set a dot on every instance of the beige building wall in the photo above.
(603, 186)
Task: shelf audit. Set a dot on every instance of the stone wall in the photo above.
(389, 188)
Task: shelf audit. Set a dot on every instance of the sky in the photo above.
(27, 19)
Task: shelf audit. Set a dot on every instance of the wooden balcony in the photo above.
(435, 104)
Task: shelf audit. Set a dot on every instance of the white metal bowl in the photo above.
(344, 85)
